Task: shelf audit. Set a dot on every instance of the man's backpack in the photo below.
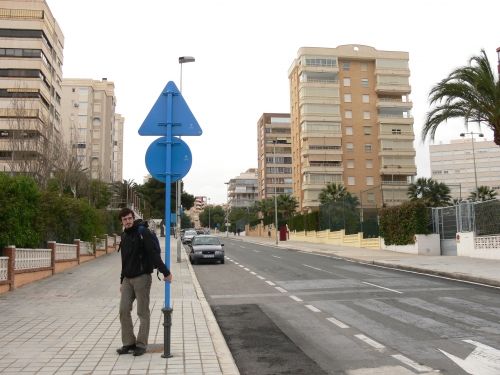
(156, 243)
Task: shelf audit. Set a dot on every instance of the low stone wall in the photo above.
(29, 276)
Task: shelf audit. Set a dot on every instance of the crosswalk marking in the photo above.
(407, 361)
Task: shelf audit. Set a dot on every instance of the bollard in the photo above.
(167, 324)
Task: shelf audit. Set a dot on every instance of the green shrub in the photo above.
(19, 215)
(400, 224)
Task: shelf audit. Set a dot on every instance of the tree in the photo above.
(469, 92)
(333, 192)
(287, 205)
(484, 193)
(217, 217)
(431, 192)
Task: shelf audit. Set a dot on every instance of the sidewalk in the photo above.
(68, 324)
(476, 270)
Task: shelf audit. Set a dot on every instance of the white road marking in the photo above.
(314, 268)
(275, 256)
(241, 265)
(417, 366)
(312, 308)
(236, 263)
(281, 289)
(483, 360)
(270, 283)
(338, 323)
(253, 273)
(246, 269)
(257, 251)
(370, 342)
(296, 299)
(381, 287)
(260, 277)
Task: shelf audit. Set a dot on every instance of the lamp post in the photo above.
(209, 227)
(473, 155)
(178, 184)
(275, 195)
(227, 210)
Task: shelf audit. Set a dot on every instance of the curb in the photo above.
(224, 356)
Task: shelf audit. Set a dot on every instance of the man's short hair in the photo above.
(124, 212)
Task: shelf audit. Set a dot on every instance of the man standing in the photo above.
(138, 260)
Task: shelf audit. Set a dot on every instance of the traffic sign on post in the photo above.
(183, 121)
(169, 159)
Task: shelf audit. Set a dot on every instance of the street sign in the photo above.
(180, 159)
(182, 122)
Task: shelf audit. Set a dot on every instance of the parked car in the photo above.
(188, 235)
(206, 248)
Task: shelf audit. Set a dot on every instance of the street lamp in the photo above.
(275, 195)
(473, 155)
(227, 209)
(178, 183)
(209, 227)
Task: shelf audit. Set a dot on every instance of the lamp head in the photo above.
(481, 134)
(462, 134)
(186, 59)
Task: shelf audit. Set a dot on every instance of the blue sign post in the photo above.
(169, 159)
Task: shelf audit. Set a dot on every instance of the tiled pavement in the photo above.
(68, 324)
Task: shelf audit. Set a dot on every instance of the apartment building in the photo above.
(274, 155)
(351, 124)
(242, 191)
(93, 128)
(31, 58)
(453, 164)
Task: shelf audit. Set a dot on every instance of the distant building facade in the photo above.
(92, 128)
(453, 164)
(274, 155)
(351, 124)
(31, 58)
(242, 191)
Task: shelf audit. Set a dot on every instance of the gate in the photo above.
(444, 223)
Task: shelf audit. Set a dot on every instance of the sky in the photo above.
(243, 50)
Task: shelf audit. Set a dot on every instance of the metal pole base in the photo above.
(167, 323)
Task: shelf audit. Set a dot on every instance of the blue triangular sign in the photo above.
(183, 120)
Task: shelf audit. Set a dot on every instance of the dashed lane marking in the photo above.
(312, 308)
(270, 283)
(296, 299)
(370, 342)
(260, 277)
(275, 256)
(280, 289)
(338, 323)
(409, 362)
(253, 273)
(381, 287)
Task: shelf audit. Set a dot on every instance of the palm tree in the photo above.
(484, 193)
(470, 92)
(433, 193)
(287, 205)
(332, 192)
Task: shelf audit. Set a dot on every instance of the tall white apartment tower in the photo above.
(92, 128)
(351, 124)
(31, 57)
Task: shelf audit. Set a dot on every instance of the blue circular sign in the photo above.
(180, 159)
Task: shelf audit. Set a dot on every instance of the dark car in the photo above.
(206, 248)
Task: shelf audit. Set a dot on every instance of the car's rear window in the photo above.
(206, 241)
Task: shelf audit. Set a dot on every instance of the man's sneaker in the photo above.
(139, 351)
(125, 349)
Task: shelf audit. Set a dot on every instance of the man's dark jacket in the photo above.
(138, 254)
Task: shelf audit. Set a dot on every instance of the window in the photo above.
(369, 163)
(366, 115)
(346, 65)
(347, 81)
(364, 82)
(350, 163)
(366, 98)
(347, 98)
(364, 67)
(371, 197)
(368, 147)
(367, 130)
(349, 146)
(396, 131)
(369, 180)
(351, 180)
(348, 114)
(348, 130)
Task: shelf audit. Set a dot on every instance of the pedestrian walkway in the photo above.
(69, 324)
(484, 271)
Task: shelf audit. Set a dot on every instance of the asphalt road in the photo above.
(291, 312)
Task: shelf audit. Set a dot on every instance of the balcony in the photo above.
(322, 169)
(393, 103)
(394, 88)
(307, 151)
(403, 135)
(394, 169)
(398, 152)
